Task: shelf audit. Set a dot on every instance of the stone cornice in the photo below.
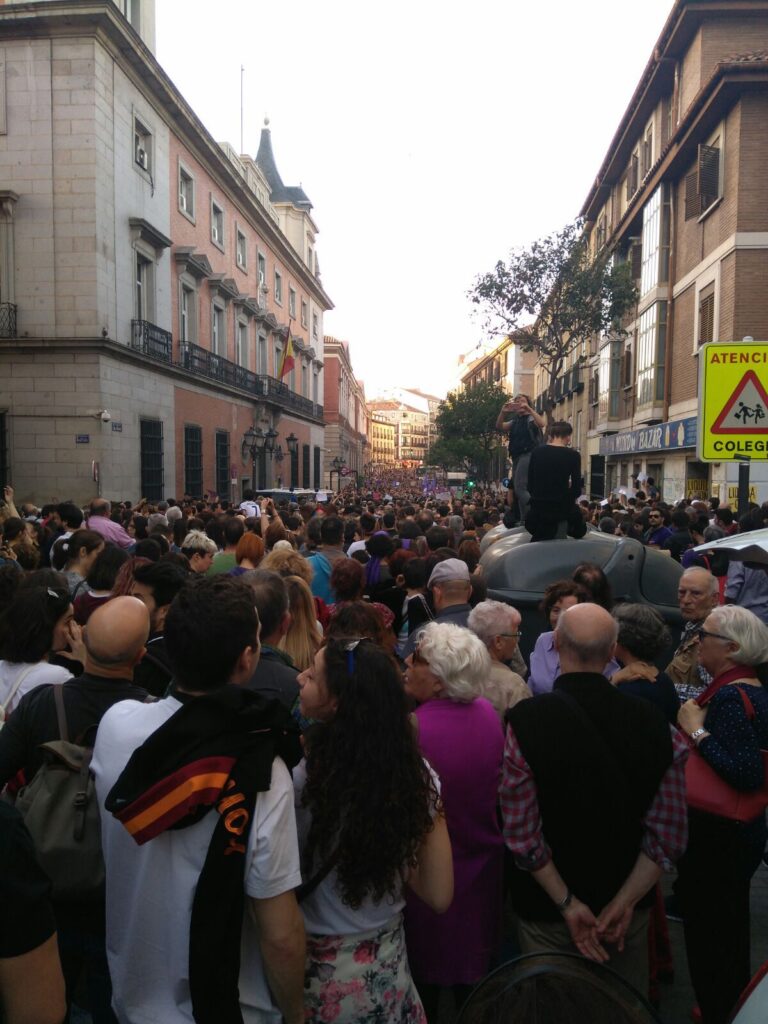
(194, 263)
(149, 233)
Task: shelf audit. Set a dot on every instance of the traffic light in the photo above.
(470, 484)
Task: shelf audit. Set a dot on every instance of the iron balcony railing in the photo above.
(8, 328)
(151, 340)
(203, 363)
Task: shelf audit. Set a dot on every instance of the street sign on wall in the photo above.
(733, 402)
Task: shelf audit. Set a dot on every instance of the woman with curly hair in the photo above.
(370, 825)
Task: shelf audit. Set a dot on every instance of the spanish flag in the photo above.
(287, 362)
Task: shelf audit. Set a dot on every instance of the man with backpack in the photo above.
(64, 824)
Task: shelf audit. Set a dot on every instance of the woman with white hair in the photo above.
(498, 626)
(461, 737)
(728, 723)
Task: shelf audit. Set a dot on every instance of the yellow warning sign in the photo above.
(733, 401)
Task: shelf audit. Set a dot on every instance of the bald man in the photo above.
(114, 641)
(593, 800)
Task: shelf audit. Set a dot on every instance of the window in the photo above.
(186, 193)
(5, 465)
(278, 288)
(315, 327)
(278, 357)
(218, 330)
(261, 356)
(315, 386)
(151, 459)
(633, 175)
(193, 461)
(627, 366)
(241, 343)
(304, 313)
(707, 314)
(143, 286)
(222, 463)
(142, 145)
(305, 380)
(600, 232)
(650, 356)
(132, 11)
(217, 225)
(241, 254)
(305, 480)
(292, 302)
(187, 313)
(703, 184)
(316, 468)
(654, 266)
(646, 152)
(262, 260)
(609, 371)
(311, 259)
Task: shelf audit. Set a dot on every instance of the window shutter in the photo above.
(707, 314)
(692, 201)
(708, 175)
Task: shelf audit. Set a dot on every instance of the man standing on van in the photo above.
(525, 428)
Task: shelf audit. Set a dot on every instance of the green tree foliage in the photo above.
(465, 421)
(553, 296)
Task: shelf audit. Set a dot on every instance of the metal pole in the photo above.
(743, 494)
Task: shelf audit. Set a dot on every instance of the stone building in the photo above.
(682, 196)
(381, 440)
(346, 414)
(150, 277)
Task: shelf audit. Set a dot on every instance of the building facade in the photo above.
(346, 413)
(150, 278)
(682, 196)
(381, 440)
(412, 415)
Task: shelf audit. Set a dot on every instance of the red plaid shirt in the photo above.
(665, 833)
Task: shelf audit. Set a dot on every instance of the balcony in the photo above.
(151, 340)
(203, 363)
(7, 320)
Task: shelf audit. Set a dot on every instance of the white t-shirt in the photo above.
(251, 508)
(357, 545)
(38, 675)
(150, 888)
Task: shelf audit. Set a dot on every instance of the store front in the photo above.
(666, 452)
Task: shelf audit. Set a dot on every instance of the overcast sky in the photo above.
(431, 136)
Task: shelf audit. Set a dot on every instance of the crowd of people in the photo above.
(288, 761)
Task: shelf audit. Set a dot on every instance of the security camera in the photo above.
(105, 416)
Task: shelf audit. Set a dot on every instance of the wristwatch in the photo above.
(565, 902)
(698, 733)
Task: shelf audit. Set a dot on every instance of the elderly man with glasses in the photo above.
(498, 626)
(697, 594)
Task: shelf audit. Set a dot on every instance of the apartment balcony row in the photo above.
(568, 383)
(157, 344)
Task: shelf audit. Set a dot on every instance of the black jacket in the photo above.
(275, 677)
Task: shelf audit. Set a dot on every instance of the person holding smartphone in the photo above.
(525, 429)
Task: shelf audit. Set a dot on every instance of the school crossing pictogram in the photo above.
(746, 411)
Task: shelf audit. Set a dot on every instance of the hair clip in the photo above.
(52, 593)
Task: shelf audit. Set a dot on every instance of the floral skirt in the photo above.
(361, 978)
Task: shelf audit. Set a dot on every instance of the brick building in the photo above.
(150, 277)
(682, 195)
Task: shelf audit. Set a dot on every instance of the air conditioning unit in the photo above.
(142, 158)
(262, 280)
(183, 202)
(240, 260)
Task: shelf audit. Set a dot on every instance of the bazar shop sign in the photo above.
(733, 401)
(658, 438)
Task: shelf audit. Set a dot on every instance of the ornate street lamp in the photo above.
(293, 447)
(252, 445)
(270, 438)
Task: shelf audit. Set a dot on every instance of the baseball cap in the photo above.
(450, 569)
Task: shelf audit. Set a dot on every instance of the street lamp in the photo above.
(337, 464)
(270, 437)
(253, 443)
(293, 447)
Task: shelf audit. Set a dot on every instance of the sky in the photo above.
(431, 136)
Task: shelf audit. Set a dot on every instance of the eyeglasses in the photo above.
(516, 635)
(701, 633)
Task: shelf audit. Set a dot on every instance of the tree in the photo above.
(465, 422)
(553, 296)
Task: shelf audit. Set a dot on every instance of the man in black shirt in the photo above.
(525, 435)
(554, 481)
